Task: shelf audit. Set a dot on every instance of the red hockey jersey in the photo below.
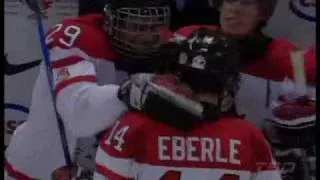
(139, 148)
(261, 82)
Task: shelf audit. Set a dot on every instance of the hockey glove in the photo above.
(162, 97)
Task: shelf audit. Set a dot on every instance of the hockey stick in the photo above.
(297, 60)
(46, 54)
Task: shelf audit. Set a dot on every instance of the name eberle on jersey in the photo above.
(198, 149)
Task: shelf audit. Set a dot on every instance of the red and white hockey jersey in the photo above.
(261, 82)
(139, 148)
(82, 63)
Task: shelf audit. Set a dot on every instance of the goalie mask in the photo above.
(135, 26)
(208, 63)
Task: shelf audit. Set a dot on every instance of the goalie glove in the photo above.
(163, 97)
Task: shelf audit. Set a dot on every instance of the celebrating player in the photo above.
(85, 54)
(188, 129)
(265, 61)
(290, 131)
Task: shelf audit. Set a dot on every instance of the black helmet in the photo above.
(208, 62)
(135, 26)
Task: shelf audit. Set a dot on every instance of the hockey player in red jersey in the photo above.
(290, 131)
(85, 54)
(266, 61)
(188, 129)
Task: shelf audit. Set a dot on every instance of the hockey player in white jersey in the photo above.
(84, 54)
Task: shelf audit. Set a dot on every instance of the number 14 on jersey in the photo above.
(116, 137)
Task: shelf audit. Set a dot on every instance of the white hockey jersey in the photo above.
(82, 66)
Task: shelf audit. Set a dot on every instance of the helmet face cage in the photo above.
(136, 32)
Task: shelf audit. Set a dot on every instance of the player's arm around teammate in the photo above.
(185, 123)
